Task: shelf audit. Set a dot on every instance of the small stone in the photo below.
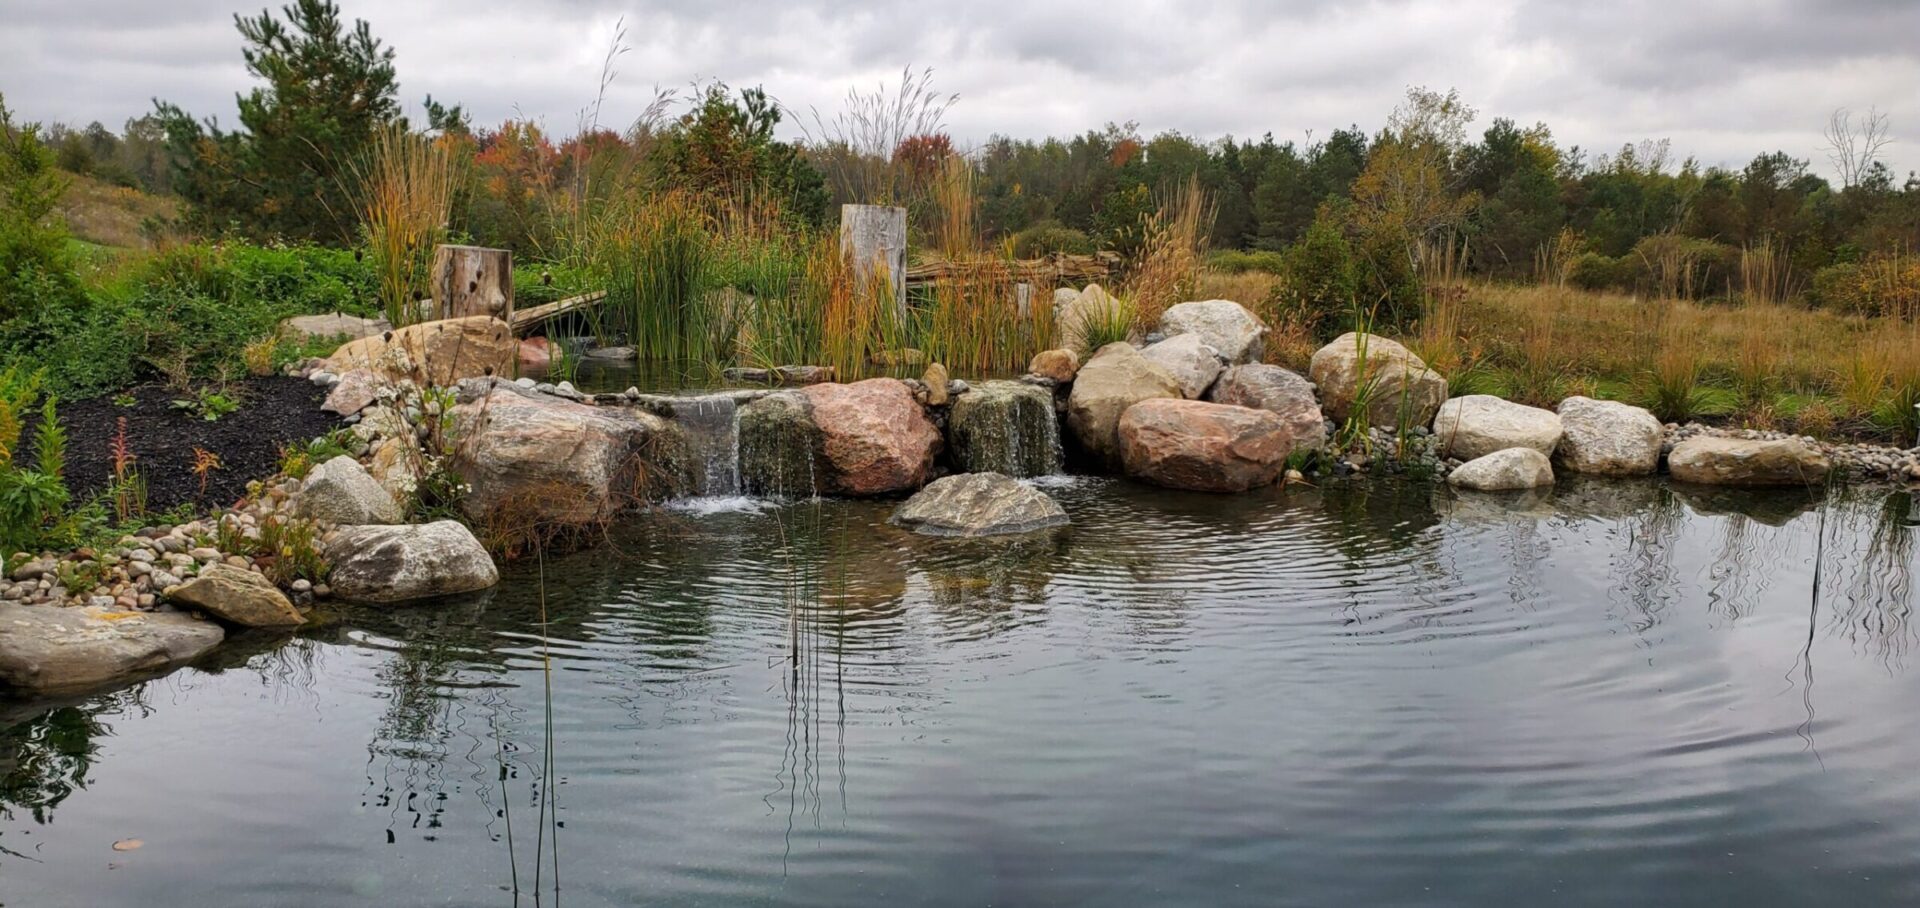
(205, 555)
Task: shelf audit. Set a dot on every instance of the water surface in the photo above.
(1376, 694)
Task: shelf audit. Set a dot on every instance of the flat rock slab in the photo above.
(1709, 460)
(237, 596)
(50, 649)
(978, 504)
(1480, 424)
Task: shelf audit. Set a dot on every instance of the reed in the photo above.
(1173, 249)
(654, 254)
(1766, 274)
(404, 189)
(1440, 337)
(1673, 389)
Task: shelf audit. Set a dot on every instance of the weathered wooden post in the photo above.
(472, 280)
(874, 237)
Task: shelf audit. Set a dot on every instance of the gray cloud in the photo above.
(1724, 79)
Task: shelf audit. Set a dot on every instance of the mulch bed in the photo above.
(274, 411)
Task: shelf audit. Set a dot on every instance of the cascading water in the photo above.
(1006, 427)
(712, 431)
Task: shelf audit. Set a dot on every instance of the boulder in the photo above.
(780, 447)
(332, 326)
(1190, 360)
(1115, 378)
(1282, 392)
(1504, 470)
(1005, 427)
(437, 353)
(1709, 460)
(1201, 446)
(397, 563)
(1058, 366)
(1479, 424)
(49, 649)
(535, 354)
(395, 467)
(355, 391)
(341, 491)
(1224, 325)
(1399, 382)
(1608, 438)
(874, 437)
(978, 504)
(1089, 306)
(540, 459)
(935, 378)
(237, 596)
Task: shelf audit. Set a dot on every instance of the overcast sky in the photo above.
(1722, 79)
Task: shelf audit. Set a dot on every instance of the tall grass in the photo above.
(1172, 251)
(1440, 338)
(654, 253)
(404, 189)
(1673, 390)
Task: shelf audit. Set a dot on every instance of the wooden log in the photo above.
(472, 280)
(527, 318)
(874, 238)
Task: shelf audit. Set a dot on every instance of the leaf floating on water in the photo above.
(127, 844)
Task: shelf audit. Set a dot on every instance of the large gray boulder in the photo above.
(1005, 427)
(780, 447)
(536, 458)
(1224, 325)
(1282, 392)
(237, 596)
(48, 649)
(397, 563)
(978, 504)
(1608, 438)
(1073, 314)
(1479, 424)
(1203, 447)
(1709, 460)
(1190, 360)
(1504, 471)
(1398, 383)
(341, 491)
(1115, 378)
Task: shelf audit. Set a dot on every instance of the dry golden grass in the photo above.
(114, 216)
(404, 190)
(1173, 252)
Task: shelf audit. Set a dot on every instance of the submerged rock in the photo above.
(438, 353)
(237, 596)
(1479, 424)
(1400, 383)
(397, 563)
(1282, 392)
(978, 504)
(1504, 470)
(341, 491)
(1114, 379)
(874, 436)
(536, 458)
(1710, 460)
(1005, 427)
(1190, 360)
(1204, 447)
(1608, 438)
(49, 649)
(1238, 335)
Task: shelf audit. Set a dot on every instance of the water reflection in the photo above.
(803, 705)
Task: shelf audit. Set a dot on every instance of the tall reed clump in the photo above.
(1172, 250)
(856, 317)
(654, 255)
(1766, 274)
(1553, 260)
(404, 188)
(1441, 339)
(981, 318)
(1902, 357)
(1764, 341)
(1673, 389)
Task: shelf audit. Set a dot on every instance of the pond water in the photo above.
(1370, 694)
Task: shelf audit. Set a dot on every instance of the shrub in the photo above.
(1048, 237)
(1882, 285)
(1593, 271)
(1321, 283)
(1234, 261)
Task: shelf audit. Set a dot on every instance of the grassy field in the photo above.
(1754, 365)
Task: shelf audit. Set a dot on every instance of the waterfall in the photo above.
(1006, 427)
(712, 430)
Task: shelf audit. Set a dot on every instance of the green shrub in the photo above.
(1235, 261)
(1881, 285)
(1048, 237)
(1594, 271)
(1322, 281)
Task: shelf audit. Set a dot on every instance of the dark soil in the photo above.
(273, 411)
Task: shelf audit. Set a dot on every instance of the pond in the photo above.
(1376, 693)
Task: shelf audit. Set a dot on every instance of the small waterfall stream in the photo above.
(712, 429)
